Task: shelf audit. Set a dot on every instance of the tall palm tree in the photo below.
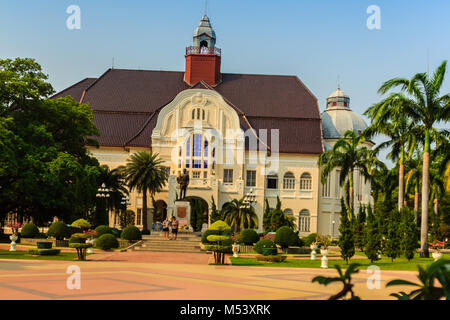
(389, 120)
(349, 154)
(240, 215)
(414, 179)
(144, 172)
(426, 108)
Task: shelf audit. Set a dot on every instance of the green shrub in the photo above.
(83, 224)
(309, 239)
(277, 258)
(263, 243)
(58, 230)
(106, 242)
(78, 238)
(249, 236)
(44, 245)
(285, 237)
(29, 231)
(145, 232)
(101, 230)
(131, 233)
(44, 252)
(116, 232)
(208, 233)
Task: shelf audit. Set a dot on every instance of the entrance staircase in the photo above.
(186, 242)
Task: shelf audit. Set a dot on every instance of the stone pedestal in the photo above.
(182, 210)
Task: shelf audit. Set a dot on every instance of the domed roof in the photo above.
(205, 28)
(338, 117)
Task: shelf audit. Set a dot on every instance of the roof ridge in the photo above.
(93, 83)
(75, 84)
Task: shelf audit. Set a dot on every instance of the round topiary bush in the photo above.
(309, 239)
(29, 231)
(264, 243)
(78, 238)
(81, 223)
(131, 233)
(58, 230)
(101, 230)
(206, 234)
(249, 237)
(106, 242)
(286, 237)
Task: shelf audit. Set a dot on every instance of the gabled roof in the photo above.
(126, 104)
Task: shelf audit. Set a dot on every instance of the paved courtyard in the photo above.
(155, 276)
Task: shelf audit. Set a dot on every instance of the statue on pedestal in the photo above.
(183, 181)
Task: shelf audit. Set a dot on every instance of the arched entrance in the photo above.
(199, 212)
(160, 212)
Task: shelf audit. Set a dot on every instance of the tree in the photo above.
(413, 179)
(372, 241)
(240, 216)
(346, 239)
(145, 173)
(359, 228)
(126, 218)
(424, 105)
(349, 154)
(215, 214)
(221, 242)
(408, 234)
(393, 239)
(266, 216)
(344, 278)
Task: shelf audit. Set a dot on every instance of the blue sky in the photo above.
(317, 40)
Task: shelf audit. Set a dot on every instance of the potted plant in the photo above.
(313, 247)
(324, 242)
(436, 247)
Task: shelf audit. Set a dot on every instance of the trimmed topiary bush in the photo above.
(81, 223)
(309, 239)
(131, 233)
(206, 234)
(29, 231)
(101, 230)
(106, 242)
(285, 237)
(264, 243)
(58, 230)
(78, 238)
(249, 237)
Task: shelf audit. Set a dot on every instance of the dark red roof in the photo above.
(126, 104)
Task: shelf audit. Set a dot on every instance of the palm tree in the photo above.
(426, 108)
(389, 120)
(414, 179)
(348, 154)
(144, 172)
(240, 215)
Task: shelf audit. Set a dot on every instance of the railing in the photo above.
(204, 50)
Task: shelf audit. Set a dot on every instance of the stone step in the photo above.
(186, 250)
(154, 245)
(169, 242)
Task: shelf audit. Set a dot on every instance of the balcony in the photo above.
(204, 50)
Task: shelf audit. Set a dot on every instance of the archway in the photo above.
(199, 212)
(160, 212)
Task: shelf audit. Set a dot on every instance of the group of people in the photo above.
(170, 224)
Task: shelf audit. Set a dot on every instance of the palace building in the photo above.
(237, 135)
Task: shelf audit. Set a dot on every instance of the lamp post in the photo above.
(102, 195)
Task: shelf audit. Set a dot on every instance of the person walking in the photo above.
(174, 228)
(165, 227)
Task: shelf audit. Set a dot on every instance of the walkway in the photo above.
(154, 275)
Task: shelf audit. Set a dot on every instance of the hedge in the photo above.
(58, 230)
(263, 243)
(44, 252)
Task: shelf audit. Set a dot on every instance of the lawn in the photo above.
(385, 263)
(64, 256)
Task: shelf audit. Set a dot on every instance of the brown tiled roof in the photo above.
(126, 104)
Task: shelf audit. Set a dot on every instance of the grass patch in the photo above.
(23, 255)
(385, 263)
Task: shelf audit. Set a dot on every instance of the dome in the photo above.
(205, 28)
(338, 117)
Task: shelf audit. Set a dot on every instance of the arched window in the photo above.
(306, 182)
(196, 155)
(304, 221)
(289, 181)
(288, 212)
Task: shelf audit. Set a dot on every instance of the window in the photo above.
(289, 181)
(228, 175)
(288, 212)
(139, 217)
(251, 178)
(326, 188)
(193, 114)
(306, 182)
(196, 174)
(196, 154)
(304, 221)
(272, 181)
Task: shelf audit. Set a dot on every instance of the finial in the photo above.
(339, 82)
(206, 7)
